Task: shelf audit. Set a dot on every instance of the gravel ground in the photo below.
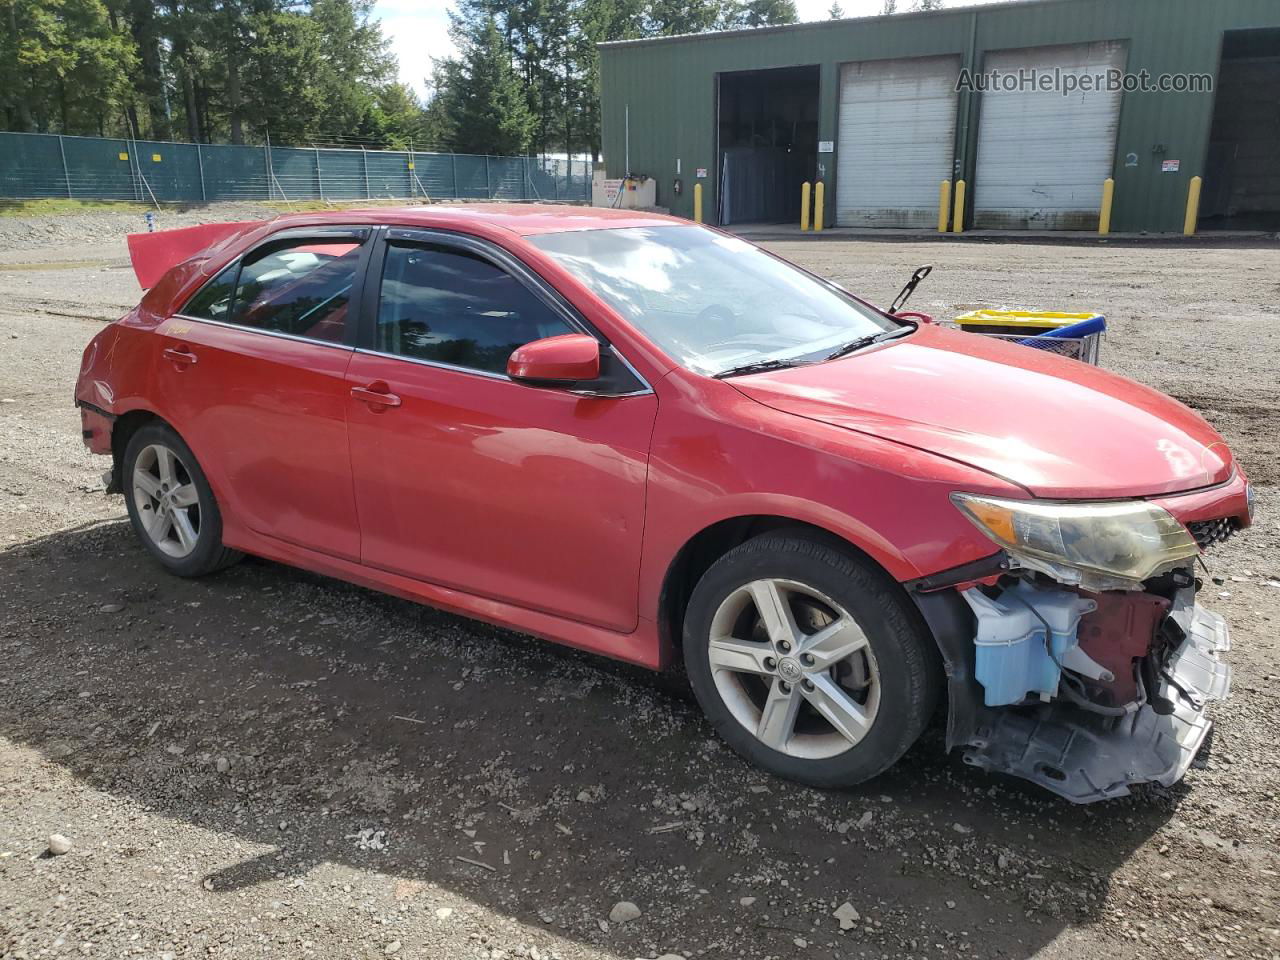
(267, 762)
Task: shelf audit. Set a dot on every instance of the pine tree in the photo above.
(64, 67)
(835, 11)
(487, 107)
(760, 13)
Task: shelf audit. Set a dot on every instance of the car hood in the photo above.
(1056, 427)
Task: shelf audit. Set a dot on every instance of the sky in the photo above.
(419, 29)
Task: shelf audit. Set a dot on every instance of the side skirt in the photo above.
(641, 646)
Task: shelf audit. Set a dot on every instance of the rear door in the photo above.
(252, 374)
(467, 479)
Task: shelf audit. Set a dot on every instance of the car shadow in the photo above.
(335, 724)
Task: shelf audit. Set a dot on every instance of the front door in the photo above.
(467, 479)
(252, 375)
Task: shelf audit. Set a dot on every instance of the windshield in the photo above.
(714, 303)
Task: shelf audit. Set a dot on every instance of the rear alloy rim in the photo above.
(794, 668)
(166, 499)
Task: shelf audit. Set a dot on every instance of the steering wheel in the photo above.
(716, 313)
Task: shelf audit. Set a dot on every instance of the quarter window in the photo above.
(213, 302)
(451, 306)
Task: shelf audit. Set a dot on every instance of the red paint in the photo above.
(275, 411)
(517, 494)
(561, 514)
(154, 254)
(568, 358)
(1118, 634)
(1056, 427)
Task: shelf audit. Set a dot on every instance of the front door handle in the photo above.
(179, 355)
(377, 395)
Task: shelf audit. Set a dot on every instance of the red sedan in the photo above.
(651, 440)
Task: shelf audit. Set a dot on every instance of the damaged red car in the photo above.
(651, 440)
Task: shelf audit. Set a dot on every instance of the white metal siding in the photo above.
(1042, 157)
(896, 140)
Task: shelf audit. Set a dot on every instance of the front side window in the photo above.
(448, 305)
(714, 303)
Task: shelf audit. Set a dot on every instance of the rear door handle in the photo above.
(376, 394)
(179, 355)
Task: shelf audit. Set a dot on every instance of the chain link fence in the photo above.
(36, 165)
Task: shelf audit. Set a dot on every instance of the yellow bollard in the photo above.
(818, 190)
(804, 205)
(944, 205)
(1193, 207)
(697, 203)
(1104, 215)
(957, 222)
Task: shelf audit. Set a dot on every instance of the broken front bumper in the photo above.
(1086, 758)
(1082, 756)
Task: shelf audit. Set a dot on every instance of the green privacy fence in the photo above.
(34, 165)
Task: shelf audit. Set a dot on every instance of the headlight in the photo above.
(1132, 540)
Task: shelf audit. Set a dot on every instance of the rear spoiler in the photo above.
(154, 254)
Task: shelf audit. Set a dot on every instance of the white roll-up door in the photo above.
(896, 140)
(1043, 156)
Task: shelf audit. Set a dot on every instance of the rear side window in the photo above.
(302, 289)
(451, 306)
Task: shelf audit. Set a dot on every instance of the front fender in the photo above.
(733, 457)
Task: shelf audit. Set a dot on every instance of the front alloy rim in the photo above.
(166, 499)
(794, 668)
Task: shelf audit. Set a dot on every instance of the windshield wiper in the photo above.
(855, 345)
(759, 366)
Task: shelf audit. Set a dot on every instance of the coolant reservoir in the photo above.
(1023, 635)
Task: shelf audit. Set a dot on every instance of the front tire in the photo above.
(171, 505)
(808, 660)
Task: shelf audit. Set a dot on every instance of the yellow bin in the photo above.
(1028, 323)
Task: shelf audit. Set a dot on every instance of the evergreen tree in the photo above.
(487, 107)
(665, 18)
(64, 67)
(760, 13)
(835, 11)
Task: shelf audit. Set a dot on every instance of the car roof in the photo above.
(523, 219)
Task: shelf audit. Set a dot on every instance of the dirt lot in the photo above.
(268, 763)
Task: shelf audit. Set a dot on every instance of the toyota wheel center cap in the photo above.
(790, 670)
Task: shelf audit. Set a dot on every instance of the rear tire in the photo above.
(171, 505)
(809, 661)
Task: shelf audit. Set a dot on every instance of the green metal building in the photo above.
(883, 109)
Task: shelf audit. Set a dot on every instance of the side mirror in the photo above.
(556, 361)
(913, 315)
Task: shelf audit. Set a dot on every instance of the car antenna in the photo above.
(901, 299)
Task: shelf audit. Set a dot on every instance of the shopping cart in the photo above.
(1074, 335)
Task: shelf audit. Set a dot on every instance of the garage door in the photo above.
(896, 140)
(1042, 156)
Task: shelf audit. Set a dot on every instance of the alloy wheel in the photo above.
(167, 501)
(794, 668)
